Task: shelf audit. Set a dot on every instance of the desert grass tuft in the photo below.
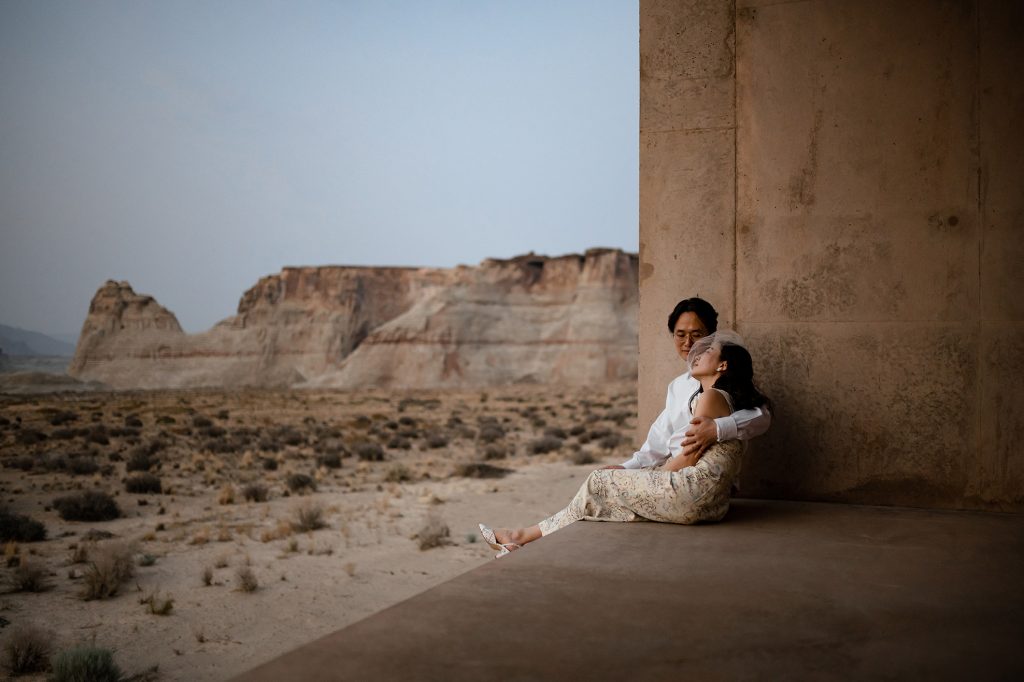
(27, 650)
(308, 517)
(157, 605)
(246, 580)
(30, 577)
(143, 483)
(227, 494)
(398, 473)
(86, 663)
(255, 492)
(110, 567)
(433, 533)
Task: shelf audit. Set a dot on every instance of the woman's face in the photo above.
(708, 363)
(689, 329)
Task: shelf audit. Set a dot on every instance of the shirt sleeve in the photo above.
(744, 425)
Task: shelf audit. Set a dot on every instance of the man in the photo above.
(675, 431)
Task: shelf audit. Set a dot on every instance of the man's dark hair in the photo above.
(699, 307)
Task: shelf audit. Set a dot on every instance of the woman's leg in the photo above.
(606, 495)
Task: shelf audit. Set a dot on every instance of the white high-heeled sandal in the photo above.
(503, 549)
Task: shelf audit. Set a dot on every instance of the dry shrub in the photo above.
(86, 663)
(545, 444)
(308, 517)
(369, 452)
(255, 492)
(80, 552)
(82, 466)
(434, 533)
(582, 457)
(436, 440)
(139, 459)
(555, 432)
(611, 441)
(29, 437)
(490, 433)
(27, 650)
(142, 484)
(300, 483)
(110, 567)
(227, 494)
(20, 528)
(480, 470)
(494, 452)
(246, 580)
(157, 605)
(25, 463)
(329, 460)
(399, 443)
(88, 506)
(30, 577)
(398, 474)
(282, 530)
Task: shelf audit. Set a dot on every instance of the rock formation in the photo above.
(569, 319)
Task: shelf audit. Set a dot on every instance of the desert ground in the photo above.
(250, 522)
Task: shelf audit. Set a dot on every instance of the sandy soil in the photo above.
(207, 447)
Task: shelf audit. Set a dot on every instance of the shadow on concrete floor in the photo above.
(778, 590)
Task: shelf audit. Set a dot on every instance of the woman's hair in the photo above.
(738, 378)
(699, 307)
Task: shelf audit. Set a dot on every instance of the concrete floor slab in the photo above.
(779, 590)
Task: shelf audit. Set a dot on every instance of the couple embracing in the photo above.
(685, 470)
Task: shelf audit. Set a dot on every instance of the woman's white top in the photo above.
(665, 437)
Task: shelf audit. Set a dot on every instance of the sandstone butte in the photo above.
(530, 319)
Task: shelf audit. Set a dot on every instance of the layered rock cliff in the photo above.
(569, 319)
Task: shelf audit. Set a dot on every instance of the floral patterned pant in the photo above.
(690, 495)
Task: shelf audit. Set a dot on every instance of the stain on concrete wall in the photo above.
(855, 207)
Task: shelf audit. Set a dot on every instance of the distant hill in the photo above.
(21, 342)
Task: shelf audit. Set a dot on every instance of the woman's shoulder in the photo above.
(726, 396)
(713, 403)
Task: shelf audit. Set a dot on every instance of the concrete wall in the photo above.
(843, 181)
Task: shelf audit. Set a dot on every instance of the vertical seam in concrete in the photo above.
(978, 351)
(735, 172)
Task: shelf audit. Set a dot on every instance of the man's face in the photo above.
(689, 329)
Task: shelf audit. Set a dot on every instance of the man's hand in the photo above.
(614, 466)
(702, 434)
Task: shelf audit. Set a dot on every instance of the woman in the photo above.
(686, 488)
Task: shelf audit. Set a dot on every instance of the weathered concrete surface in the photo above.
(687, 176)
(877, 241)
(781, 590)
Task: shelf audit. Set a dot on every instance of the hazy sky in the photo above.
(193, 147)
